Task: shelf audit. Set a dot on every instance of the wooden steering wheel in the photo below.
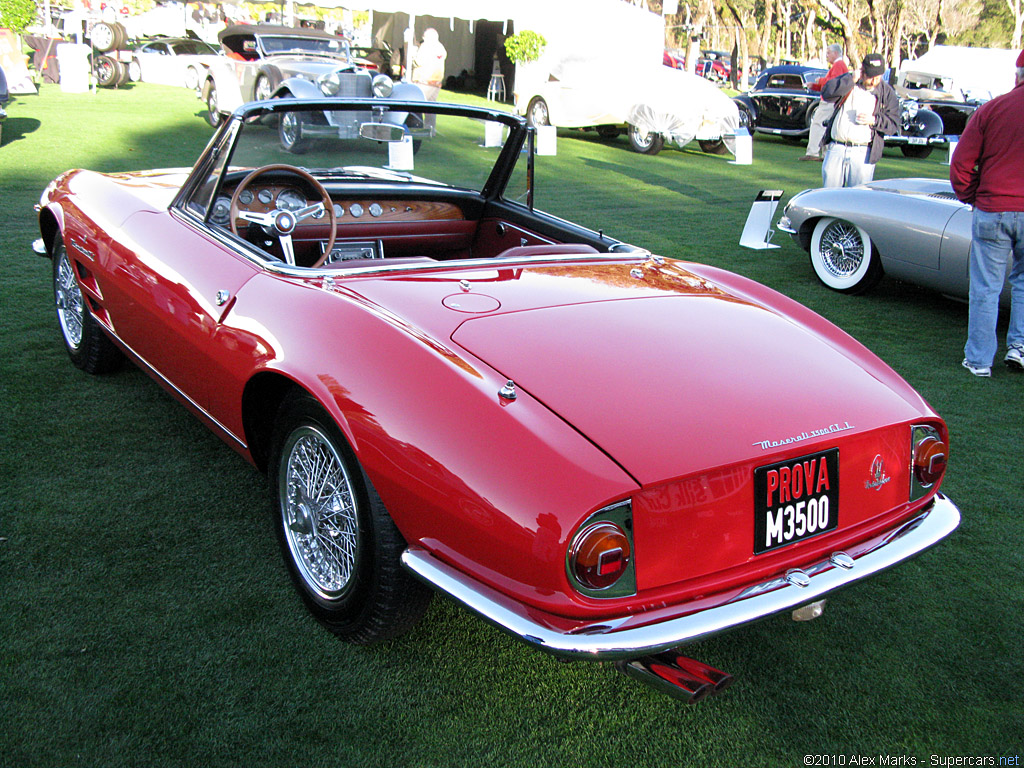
(283, 223)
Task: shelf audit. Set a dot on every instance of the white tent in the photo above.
(574, 29)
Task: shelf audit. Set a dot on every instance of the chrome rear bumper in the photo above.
(616, 639)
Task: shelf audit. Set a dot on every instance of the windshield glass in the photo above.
(286, 44)
(373, 145)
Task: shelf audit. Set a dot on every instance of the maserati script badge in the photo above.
(878, 476)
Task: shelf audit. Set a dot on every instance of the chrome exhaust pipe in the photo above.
(676, 675)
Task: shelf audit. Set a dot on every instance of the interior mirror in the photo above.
(382, 132)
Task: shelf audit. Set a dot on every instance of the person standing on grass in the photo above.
(987, 171)
(825, 109)
(866, 112)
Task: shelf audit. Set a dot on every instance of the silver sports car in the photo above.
(911, 229)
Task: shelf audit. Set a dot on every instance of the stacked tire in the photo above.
(108, 38)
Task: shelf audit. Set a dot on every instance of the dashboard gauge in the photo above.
(246, 197)
(375, 210)
(221, 213)
(338, 211)
(290, 200)
(356, 210)
(265, 197)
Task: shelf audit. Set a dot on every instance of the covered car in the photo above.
(651, 104)
(911, 229)
(441, 383)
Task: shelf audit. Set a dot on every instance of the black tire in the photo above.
(105, 37)
(122, 74)
(645, 143)
(289, 131)
(122, 34)
(107, 71)
(608, 132)
(357, 589)
(916, 150)
(713, 147)
(213, 115)
(537, 114)
(843, 257)
(86, 343)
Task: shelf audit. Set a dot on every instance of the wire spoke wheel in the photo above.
(843, 257)
(70, 306)
(842, 250)
(318, 507)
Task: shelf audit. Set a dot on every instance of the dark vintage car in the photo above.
(781, 101)
(933, 111)
(266, 61)
(440, 382)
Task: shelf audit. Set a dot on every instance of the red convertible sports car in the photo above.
(605, 453)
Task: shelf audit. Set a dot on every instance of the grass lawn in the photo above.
(146, 617)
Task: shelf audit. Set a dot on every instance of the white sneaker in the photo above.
(980, 372)
(1015, 357)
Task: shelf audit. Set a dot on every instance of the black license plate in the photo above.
(795, 499)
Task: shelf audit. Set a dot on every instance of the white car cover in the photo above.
(658, 99)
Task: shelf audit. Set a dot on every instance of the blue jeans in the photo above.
(994, 237)
(846, 166)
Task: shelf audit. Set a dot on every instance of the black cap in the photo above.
(873, 65)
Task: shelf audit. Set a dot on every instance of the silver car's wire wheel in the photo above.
(262, 92)
(537, 113)
(290, 130)
(842, 256)
(319, 515)
(70, 305)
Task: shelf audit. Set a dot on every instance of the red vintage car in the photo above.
(606, 453)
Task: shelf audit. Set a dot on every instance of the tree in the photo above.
(1017, 10)
(17, 14)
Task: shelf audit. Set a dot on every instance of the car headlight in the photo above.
(382, 86)
(330, 84)
(600, 560)
(928, 455)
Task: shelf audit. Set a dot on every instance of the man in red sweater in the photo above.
(824, 110)
(987, 171)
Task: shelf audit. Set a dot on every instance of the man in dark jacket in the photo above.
(866, 112)
(987, 171)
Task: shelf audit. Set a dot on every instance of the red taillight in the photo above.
(600, 555)
(929, 461)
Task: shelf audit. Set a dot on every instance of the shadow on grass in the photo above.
(15, 128)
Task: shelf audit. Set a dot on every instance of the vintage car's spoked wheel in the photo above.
(284, 223)
(843, 257)
(213, 115)
(746, 121)
(87, 345)
(339, 543)
(537, 113)
(262, 90)
(289, 131)
(645, 142)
